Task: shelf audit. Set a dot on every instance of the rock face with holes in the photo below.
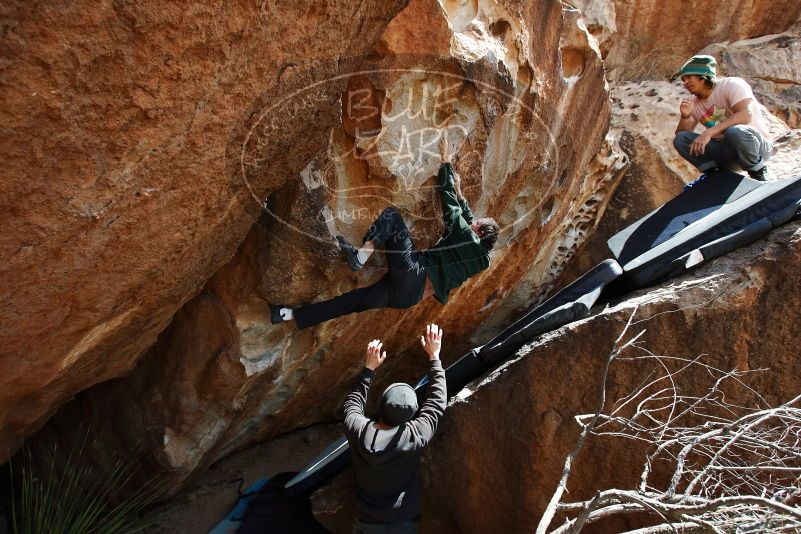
(499, 451)
(649, 40)
(519, 90)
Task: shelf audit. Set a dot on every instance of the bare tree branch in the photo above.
(615, 502)
(685, 527)
(732, 465)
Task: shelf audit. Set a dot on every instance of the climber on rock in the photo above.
(462, 252)
(736, 135)
(386, 452)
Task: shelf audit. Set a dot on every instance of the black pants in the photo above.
(401, 287)
(363, 527)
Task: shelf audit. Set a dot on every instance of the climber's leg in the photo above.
(361, 299)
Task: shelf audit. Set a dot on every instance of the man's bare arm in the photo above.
(686, 121)
(457, 184)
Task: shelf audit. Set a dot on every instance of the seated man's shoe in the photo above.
(761, 175)
(351, 253)
(275, 314)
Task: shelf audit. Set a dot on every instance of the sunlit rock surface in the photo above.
(519, 89)
(772, 65)
(123, 191)
(651, 40)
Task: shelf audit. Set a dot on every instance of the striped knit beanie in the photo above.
(700, 65)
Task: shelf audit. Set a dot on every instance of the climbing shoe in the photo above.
(761, 175)
(351, 253)
(275, 314)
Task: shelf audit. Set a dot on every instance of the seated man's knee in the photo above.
(739, 134)
(683, 140)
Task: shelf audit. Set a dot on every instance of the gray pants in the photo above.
(361, 527)
(742, 146)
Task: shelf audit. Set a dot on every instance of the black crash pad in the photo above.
(570, 304)
(321, 469)
(272, 509)
(457, 375)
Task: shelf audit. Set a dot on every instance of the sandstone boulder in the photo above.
(122, 129)
(651, 40)
(529, 110)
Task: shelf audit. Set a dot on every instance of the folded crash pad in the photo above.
(267, 507)
(721, 213)
(321, 469)
(570, 304)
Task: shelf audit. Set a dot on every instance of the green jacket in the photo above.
(458, 254)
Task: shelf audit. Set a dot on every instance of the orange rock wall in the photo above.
(509, 83)
(121, 196)
(648, 39)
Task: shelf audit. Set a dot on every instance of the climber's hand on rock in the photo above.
(444, 149)
(374, 356)
(432, 341)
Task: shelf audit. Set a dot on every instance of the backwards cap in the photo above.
(398, 404)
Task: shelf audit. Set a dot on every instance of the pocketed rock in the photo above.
(521, 93)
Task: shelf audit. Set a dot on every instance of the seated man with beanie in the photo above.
(386, 452)
(462, 252)
(735, 134)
